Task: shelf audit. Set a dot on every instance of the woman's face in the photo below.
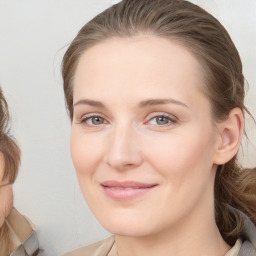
(143, 140)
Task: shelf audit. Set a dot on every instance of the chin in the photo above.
(128, 224)
(127, 229)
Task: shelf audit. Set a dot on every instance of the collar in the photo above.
(23, 236)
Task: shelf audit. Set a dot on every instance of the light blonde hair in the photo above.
(11, 158)
(211, 44)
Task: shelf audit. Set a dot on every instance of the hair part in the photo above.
(208, 40)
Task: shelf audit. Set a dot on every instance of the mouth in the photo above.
(126, 190)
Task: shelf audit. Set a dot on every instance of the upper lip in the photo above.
(127, 184)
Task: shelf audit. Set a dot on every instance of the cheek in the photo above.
(6, 203)
(183, 153)
(86, 153)
(185, 164)
(84, 157)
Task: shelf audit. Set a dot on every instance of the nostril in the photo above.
(123, 161)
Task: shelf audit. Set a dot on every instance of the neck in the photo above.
(204, 244)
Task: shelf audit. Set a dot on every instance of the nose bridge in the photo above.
(123, 151)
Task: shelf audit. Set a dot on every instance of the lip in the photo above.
(126, 190)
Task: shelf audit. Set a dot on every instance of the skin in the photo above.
(122, 130)
(6, 195)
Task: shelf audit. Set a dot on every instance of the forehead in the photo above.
(142, 63)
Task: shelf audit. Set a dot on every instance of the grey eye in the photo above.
(96, 120)
(162, 120)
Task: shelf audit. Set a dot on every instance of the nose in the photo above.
(123, 151)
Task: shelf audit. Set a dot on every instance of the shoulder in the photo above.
(247, 234)
(100, 248)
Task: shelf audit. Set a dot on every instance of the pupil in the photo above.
(97, 120)
(162, 120)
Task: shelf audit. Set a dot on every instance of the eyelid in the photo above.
(152, 115)
(172, 118)
(165, 114)
(86, 116)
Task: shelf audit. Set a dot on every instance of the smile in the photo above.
(127, 190)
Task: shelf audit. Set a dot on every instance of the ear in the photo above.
(230, 134)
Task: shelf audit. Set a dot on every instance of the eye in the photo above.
(93, 120)
(162, 120)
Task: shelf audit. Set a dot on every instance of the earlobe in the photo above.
(230, 132)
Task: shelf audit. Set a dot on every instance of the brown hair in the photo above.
(11, 158)
(5, 240)
(8, 146)
(209, 41)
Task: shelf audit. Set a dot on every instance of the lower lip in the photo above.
(126, 194)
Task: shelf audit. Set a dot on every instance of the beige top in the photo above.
(24, 240)
(234, 251)
(101, 248)
(107, 248)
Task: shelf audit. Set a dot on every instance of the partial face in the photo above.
(6, 194)
(143, 140)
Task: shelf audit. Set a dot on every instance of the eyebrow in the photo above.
(92, 103)
(144, 103)
(152, 102)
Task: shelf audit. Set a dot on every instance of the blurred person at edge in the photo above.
(17, 235)
(155, 93)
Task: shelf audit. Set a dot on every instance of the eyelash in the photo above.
(172, 120)
(86, 118)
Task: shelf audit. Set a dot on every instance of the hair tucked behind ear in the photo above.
(207, 39)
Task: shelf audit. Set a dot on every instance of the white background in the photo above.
(33, 38)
